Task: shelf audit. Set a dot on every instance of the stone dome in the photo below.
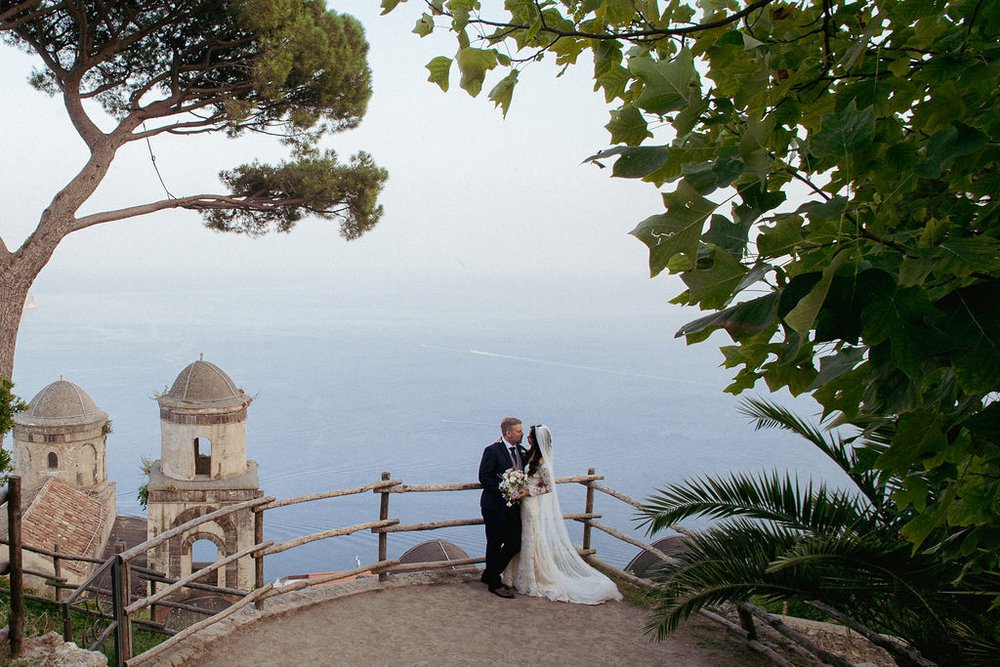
(202, 383)
(434, 550)
(61, 403)
(645, 563)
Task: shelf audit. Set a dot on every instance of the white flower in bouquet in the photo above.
(512, 482)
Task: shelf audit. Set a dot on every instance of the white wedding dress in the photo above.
(548, 564)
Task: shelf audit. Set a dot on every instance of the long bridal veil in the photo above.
(560, 571)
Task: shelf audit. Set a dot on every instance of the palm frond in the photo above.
(900, 589)
(840, 450)
(726, 563)
(980, 643)
(767, 496)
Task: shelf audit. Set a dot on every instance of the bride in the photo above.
(548, 564)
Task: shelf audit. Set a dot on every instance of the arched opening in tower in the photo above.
(205, 552)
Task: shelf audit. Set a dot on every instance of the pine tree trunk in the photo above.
(13, 293)
(18, 271)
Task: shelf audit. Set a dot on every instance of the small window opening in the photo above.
(202, 456)
(53, 460)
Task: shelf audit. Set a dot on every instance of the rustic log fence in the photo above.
(124, 606)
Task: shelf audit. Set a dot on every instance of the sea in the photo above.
(409, 377)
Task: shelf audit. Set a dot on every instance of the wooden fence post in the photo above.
(64, 608)
(383, 537)
(57, 571)
(589, 509)
(16, 624)
(258, 556)
(152, 607)
(120, 592)
(746, 621)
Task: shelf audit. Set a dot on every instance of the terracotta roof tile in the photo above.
(60, 514)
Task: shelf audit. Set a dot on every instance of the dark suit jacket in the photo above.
(495, 461)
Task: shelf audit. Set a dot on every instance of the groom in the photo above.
(503, 524)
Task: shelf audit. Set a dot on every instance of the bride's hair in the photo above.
(535, 455)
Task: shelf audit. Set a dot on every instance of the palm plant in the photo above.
(778, 539)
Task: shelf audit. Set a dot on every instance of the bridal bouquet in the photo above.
(511, 483)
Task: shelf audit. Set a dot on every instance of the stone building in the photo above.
(62, 436)
(202, 467)
(60, 452)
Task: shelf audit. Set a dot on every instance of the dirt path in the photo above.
(453, 620)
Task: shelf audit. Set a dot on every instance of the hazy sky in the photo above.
(482, 212)
(471, 197)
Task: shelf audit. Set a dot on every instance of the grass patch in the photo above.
(44, 617)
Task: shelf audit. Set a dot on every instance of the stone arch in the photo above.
(53, 461)
(176, 547)
(187, 549)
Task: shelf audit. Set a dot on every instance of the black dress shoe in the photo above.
(503, 592)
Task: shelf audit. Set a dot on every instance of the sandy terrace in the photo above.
(446, 619)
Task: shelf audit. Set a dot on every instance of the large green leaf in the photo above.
(755, 146)
(781, 238)
(841, 134)
(972, 321)
(627, 126)
(903, 317)
(712, 287)
(803, 315)
(473, 63)
(609, 74)
(741, 321)
(639, 161)
(439, 68)
(964, 256)
(954, 141)
(503, 91)
(424, 25)
(668, 85)
(389, 5)
(836, 365)
(677, 231)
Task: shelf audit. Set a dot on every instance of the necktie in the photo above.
(515, 458)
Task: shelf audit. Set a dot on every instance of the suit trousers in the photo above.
(503, 541)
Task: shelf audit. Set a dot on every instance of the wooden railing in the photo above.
(125, 606)
(12, 567)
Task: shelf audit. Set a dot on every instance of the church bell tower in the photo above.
(203, 467)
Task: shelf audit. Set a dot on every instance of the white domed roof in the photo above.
(204, 383)
(61, 403)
